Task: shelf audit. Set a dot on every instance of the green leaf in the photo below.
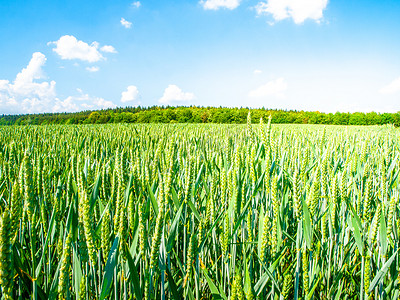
(133, 275)
(54, 285)
(382, 272)
(357, 235)
(307, 230)
(260, 231)
(128, 190)
(172, 231)
(77, 271)
(258, 288)
(209, 231)
(97, 229)
(95, 193)
(247, 279)
(26, 279)
(239, 220)
(392, 166)
(172, 285)
(311, 292)
(194, 210)
(175, 198)
(43, 257)
(109, 269)
(214, 290)
(153, 200)
(339, 291)
(383, 234)
(197, 182)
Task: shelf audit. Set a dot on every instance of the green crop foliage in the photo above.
(178, 211)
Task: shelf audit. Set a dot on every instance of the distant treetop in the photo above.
(196, 114)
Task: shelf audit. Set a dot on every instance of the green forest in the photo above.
(195, 114)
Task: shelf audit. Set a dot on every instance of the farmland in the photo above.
(199, 212)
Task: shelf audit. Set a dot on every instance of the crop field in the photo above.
(180, 211)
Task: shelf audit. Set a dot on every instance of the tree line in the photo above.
(197, 114)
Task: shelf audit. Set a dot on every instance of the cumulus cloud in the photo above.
(108, 49)
(298, 10)
(31, 93)
(217, 4)
(174, 93)
(69, 47)
(257, 72)
(131, 94)
(136, 4)
(81, 102)
(126, 23)
(93, 69)
(391, 88)
(274, 88)
(25, 93)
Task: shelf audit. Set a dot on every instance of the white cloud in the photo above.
(3, 84)
(27, 95)
(217, 4)
(32, 71)
(174, 93)
(24, 94)
(391, 88)
(274, 88)
(68, 47)
(298, 10)
(66, 105)
(100, 103)
(108, 49)
(257, 72)
(131, 94)
(126, 23)
(93, 69)
(81, 102)
(136, 4)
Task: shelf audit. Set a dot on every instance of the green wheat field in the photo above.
(181, 211)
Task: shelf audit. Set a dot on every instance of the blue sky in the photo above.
(319, 55)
